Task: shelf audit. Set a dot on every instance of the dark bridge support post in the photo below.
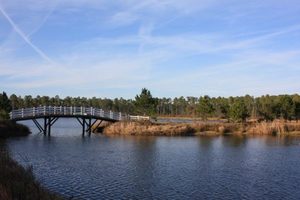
(86, 124)
(38, 125)
(83, 126)
(48, 122)
(51, 121)
(45, 126)
(49, 126)
(90, 127)
(82, 123)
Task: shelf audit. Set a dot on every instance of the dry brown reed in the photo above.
(147, 128)
(202, 128)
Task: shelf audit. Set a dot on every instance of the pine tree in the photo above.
(145, 103)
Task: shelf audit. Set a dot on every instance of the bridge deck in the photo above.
(67, 112)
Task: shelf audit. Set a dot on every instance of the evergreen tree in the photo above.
(238, 110)
(5, 106)
(14, 101)
(145, 103)
(266, 107)
(205, 107)
(5, 102)
(286, 107)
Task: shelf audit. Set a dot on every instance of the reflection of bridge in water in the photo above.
(87, 117)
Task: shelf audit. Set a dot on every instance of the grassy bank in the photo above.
(17, 182)
(202, 128)
(10, 129)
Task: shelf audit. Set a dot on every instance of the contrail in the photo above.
(25, 38)
(43, 21)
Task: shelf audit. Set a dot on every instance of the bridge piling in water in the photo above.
(45, 125)
(86, 124)
(49, 126)
(90, 127)
(83, 126)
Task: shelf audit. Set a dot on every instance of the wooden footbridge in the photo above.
(86, 116)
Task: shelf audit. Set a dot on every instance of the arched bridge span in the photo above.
(86, 116)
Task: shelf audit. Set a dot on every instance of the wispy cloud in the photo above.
(44, 20)
(24, 37)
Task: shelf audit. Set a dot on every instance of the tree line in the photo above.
(266, 107)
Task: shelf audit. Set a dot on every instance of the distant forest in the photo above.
(234, 108)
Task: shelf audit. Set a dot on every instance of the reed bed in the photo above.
(202, 128)
(147, 128)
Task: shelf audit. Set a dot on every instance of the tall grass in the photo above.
(147, 128)
(202, 128)
(19, 183)
(268, 128)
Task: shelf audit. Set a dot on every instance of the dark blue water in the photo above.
(103, 167)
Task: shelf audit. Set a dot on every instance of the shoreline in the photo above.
(16, 181)
(12, 129)
(147, 128)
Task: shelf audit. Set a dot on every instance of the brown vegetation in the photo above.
(17, 182)
(202, 128)
(275, 128)
(9, 129)
(147, 128)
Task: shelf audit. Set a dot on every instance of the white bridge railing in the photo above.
(67, 111)
(139, 118)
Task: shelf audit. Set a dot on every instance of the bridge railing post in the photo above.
(33, 111)
(22, 114)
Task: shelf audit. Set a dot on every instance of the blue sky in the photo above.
(172, 47)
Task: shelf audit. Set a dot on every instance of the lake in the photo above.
(102, 167)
